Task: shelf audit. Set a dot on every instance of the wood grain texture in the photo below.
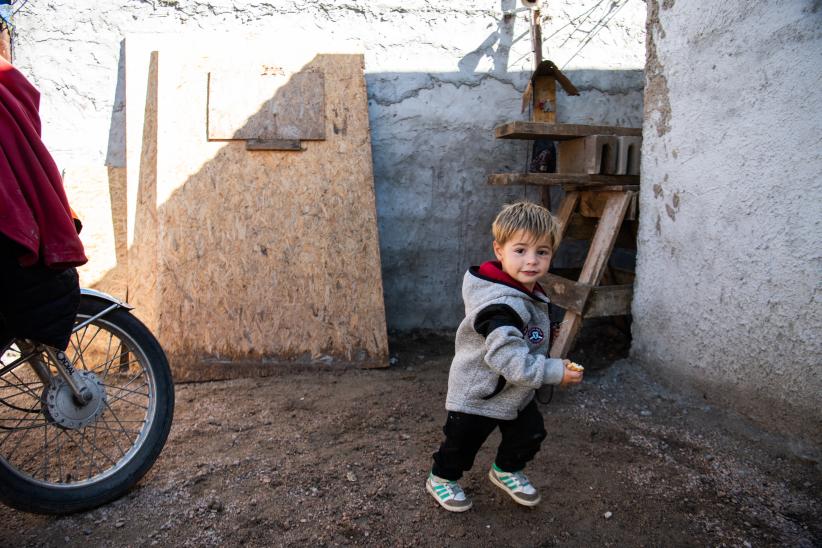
(584, 228)
(605, 236)
(575, 180)
(609, 300)
(265, 104)
(558, 132)
(565, 293)
(258, 256)
(545, 99)
(601, 247)
(273, 144)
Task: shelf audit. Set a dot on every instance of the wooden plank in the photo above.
(558, 132)
(609, 300)
(605, 236)
(565, 211)
(595, 263)
(592, 204)
(198, 313)
(584, 228)
(578, 180)
(545, 99)
(566, 293)
(273, 144)
(607, 188)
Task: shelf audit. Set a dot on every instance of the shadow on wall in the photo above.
(256, 256)
(433, 147)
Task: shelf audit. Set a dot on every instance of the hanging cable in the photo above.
(21, 6)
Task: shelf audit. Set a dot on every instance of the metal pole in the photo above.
(536, 36)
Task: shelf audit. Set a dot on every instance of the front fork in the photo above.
(64, 368)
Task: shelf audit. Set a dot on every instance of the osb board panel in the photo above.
(98, 196)
(259, 255)
(141, 182)
(266, 103)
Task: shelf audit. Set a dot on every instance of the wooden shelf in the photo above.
(604, 204)
(559, 132)
(568, 181)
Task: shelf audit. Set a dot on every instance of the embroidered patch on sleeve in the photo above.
(535, 335)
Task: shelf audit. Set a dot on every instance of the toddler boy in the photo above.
(500, 360)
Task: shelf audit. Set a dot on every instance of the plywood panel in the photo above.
(266, 104)
(97, 194)
(263, 256)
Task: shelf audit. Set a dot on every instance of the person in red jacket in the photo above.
(39, 242)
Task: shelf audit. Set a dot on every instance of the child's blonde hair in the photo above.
(532, 218)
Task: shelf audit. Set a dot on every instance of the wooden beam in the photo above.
(605, 236)
(601, 246)
(584, 228)
(558, 132)
(609, 300)
(566, 211)
(545, 93)
(605, 188)
(578, 181)
(566, 293)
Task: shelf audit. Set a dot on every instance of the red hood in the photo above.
(34, 211)
(492, 270)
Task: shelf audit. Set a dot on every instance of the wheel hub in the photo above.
(63, 409)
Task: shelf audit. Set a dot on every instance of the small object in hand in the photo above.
(574, 366)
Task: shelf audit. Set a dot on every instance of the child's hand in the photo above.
(570, 375)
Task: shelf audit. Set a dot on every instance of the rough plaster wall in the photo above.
(727, 296)
(440, 76)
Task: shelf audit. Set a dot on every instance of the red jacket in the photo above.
(34, 211)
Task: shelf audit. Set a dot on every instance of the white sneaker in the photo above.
(516, 485)
(448, 494)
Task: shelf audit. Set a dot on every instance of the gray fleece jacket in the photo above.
(501, 346)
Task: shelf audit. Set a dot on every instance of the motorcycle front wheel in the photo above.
(58, 456)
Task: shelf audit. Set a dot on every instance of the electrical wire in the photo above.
(601, 24)
(21, 7)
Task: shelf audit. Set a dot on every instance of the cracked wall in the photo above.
(440, 76)
(727, 296)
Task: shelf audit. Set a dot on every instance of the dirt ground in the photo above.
(322, 456)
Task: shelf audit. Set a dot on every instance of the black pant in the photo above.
(36, 302)
(465, 434)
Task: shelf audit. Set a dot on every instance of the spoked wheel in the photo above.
(58, 455)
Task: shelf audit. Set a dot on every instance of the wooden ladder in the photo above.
(606, 196)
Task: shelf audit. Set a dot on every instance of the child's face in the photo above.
(524, 258)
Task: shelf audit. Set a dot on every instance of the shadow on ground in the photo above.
(321, 456)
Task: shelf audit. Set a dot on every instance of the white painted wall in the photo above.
(727, 296)
(440, 76)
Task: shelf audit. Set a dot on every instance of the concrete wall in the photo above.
(440, 76)
(727, 296)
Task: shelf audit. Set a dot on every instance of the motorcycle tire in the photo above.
(101, 449)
